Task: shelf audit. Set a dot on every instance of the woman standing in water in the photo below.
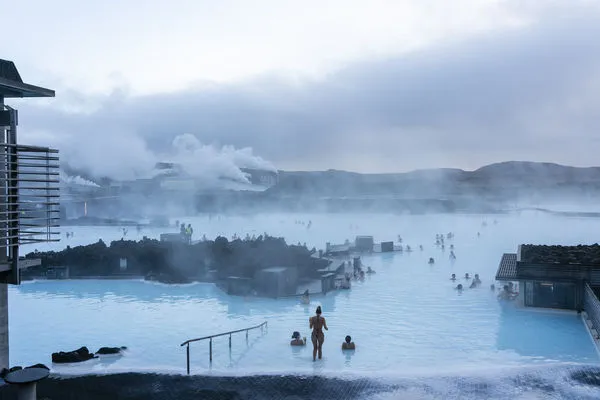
(317, 323)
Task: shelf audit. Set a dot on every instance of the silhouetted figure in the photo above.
(297, 340)
(189, 231)
(317, 324)
(348, 344)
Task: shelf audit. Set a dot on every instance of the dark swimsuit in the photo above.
(317, 337)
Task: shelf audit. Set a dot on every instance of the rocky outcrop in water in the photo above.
(110, 350)
(79, 355)
(173, 262)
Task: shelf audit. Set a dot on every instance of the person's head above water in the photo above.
(348, 339)
(296, 335)
(318, 310)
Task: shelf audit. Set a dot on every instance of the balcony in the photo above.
(29, 182)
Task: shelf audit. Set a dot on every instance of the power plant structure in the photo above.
(169, 189)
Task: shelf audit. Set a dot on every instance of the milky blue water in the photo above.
(406, 320)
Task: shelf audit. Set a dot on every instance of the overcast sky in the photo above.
(370, 86)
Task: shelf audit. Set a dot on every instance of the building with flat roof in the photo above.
(276, 281)
(552, 276)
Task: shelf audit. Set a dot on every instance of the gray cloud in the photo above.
(530, 93)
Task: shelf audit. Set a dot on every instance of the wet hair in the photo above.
(296, 335)
(348, 339)
(318, 309)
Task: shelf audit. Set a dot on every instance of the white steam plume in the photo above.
(209, 162)
(76, 180)
(127, 157)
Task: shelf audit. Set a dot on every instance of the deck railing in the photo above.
(592, 308)
(210, 338)
(29, 200)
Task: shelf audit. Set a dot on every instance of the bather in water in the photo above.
(317, 324)
(305, 299)
(348, 344)
(297, 340)
(453, 277)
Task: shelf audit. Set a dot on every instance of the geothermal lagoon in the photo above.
(406, 320)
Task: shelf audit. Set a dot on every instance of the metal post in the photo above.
(230, 340)
(13, 192)
(187, 350)
(210, 350)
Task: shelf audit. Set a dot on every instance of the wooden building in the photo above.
(552, 276)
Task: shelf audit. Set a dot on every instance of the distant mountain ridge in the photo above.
(493, 178)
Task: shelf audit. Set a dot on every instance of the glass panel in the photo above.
(557, 295)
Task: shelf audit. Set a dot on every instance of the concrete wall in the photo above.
(276, 283)
(237, 286)
(364, 243)
(521, 297)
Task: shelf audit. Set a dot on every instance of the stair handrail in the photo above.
(210, 338)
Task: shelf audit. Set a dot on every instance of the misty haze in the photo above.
(242, 200)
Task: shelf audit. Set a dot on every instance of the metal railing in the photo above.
(37, 198)
(591, 305)
(210, 338)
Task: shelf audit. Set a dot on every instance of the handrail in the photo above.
(210, 338)
(223, 334)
